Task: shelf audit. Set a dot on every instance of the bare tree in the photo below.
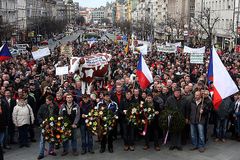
(206, 23)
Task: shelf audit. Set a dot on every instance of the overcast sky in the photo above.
(92, 3)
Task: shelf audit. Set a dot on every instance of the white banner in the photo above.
(41, 53)
(61, 70)
(143, 49)
(167, 49)
(196, 58)
(178, 44)
(193, 50)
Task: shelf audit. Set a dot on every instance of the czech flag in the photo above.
(5, 53)
(144, 75)
(223, 84)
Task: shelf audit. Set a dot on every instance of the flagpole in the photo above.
(205, 84)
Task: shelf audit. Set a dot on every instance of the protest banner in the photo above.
(196, 58)
(61, 70)
(40, 53)
(167, 49)
(67, 50)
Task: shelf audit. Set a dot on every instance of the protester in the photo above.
(176, 101)
(128, 128)
(197, 117)
(4, 118)
(71, 110)
(46, 110)
(22, 118)
(111, 105)
(86, 137)
(223, 113)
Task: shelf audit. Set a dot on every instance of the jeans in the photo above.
(1, 152)
(73, 141)
(221, 128)
(197, 135)
(87, 139)
(5, 139)
(42, 146)
(128, 134)
(237, 126)
(2, 135)
(23, 134)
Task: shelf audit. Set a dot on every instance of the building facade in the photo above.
(227, 12)
(98, 15)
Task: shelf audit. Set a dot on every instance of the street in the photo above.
(214, 151)
(65, 39)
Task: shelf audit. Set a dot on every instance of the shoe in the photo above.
(216, 140)
(75, 153)
(64, 153)
(171, 148)
(201, 150)
(223, 140)
(27, 145)
(110, 150)
(33, 140)
(146, 147)
(102, 150)
(13, 142)
(91, 151)
(157, 148)
(179, 148)
(57, 146)
(40, 157)
(193, 149)
(83, 152)
(7, 147)
(131, 148)
(52, 153)
(126, 148)
(21, 146)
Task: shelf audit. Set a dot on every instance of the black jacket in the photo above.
(181, 105)
(85, 108)
(4, 117)
(127, 103)
(46, 112)
(194, 112)
(10, 106)
(74, 117)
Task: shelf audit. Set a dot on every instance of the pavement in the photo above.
(230, 150)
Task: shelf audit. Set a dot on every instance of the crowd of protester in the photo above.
(30, 92)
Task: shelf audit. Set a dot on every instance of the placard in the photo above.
(41, 53)
(196, 58)
(61, 70)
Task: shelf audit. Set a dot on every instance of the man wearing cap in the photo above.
(111, 105)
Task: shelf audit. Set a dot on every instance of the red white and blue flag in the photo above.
(4, 53)
(143, 73)
(223, 85)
